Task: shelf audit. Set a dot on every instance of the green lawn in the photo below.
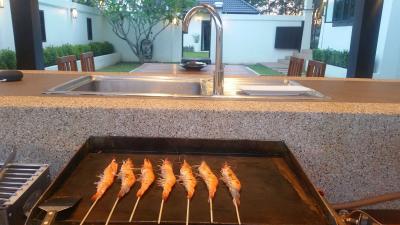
(264, 71)
(121, 67)
(196, 55)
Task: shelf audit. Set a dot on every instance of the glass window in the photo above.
(343, 12)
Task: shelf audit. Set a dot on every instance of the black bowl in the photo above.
(193, 65)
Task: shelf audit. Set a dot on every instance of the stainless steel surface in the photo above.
(218, 85)
(9, 159)
(20, 188)
(167, 86)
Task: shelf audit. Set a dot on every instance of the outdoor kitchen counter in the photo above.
(348, 145)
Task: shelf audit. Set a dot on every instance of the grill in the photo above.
(275, 189)
(20, 187)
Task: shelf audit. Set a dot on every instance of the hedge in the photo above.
(50, 54)
(332, 57)
(98, 48)
(7, 59)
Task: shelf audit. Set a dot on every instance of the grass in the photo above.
(264, 71)
(201, 55)
(121, 67)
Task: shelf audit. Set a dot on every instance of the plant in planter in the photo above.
(196, 38)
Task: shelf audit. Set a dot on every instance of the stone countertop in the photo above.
(348, 145)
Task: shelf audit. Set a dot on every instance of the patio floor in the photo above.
(175, 69)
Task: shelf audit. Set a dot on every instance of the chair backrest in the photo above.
(295, 67)
(67, 63)
(316, 69)
(87, 62)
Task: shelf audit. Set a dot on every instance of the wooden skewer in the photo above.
(88, 212)
(134, 209)
(112, 210)
(161, 209)
(237, 212)
(211, 211)
(187, 211)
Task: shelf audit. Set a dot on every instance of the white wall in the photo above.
(247, 38)
(6, 31)
(251, 38)
(60, 27)
(387, 59)
(338, 38)
(195, 29)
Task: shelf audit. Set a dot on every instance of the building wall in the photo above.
(338, 38)
(195, 29)
(387, 59)
(6, 32)
(247, 38)
(251, 38)
(61, 28)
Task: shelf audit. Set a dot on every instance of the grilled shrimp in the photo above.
(232, 182)
(127, 177)
(209, 178)
(167, 179)
(188, 179)
(106, 179)
(146, 178)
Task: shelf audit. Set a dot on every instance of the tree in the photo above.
(139, 21)
(278, 7)
(317, 21)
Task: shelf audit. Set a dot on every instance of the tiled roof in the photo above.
(233, 6)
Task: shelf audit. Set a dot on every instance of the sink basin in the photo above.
(186, 87)
(130, 85)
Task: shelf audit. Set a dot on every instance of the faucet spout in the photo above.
(218, 85)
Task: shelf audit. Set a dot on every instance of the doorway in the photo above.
(205, 35)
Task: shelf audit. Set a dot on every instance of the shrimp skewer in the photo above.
(211, 181)
(128, 179)
(189, 181)
(167, 182)
(234, 186)
(106, 180)
(146, 178)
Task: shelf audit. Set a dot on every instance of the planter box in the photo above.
(335, 71)
(99, 61)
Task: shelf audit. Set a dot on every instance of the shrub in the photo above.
(8, 59)
(98, 48)
(51, 53)
(332, 57)
(188, 48)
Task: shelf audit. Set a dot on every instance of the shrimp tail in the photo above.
(95, 196)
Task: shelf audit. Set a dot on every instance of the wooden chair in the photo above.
(87, 62)
(295, 67)
(316, 69)
(67, 63)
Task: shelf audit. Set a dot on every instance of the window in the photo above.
(42, 25)
(343, 12)
(89, 29)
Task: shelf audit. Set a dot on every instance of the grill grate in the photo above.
(17, 179)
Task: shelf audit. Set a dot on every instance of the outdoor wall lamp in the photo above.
(175, 21)
(74, 13)
(1, 3)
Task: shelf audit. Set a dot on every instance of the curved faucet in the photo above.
(218, 86)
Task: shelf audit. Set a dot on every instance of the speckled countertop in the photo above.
(348, 145)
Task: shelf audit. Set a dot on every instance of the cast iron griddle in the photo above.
(272, 193)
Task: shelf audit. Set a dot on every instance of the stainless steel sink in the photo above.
(167, 86)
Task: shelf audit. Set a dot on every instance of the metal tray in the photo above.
(275, 189)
